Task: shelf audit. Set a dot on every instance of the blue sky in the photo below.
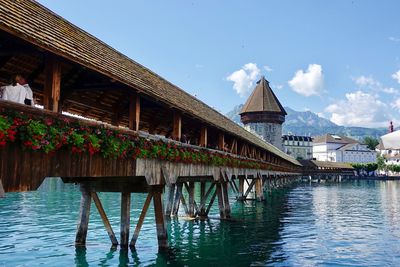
(340, 59)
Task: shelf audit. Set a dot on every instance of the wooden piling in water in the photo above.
(177, 199)
(259, 189)
(104, 218)
(2, 193)
(125, 218)
(141, 220)
(160, 224)
(170, 200)
(191, 212)
(83, 221)
(227, 207)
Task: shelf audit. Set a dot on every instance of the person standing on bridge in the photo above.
(29, 94)
(14, 92)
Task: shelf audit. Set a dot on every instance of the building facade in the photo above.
(337, 148)
(389, 147)
(263, 114)
(299, 147)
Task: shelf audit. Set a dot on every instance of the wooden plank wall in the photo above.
(22, 170)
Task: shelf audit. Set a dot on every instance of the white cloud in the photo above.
(396, 104)
(368, 82)
(309, 82)
(396, 76)
(268, 68)
(244, 78)
(277, 86)
(359, 109)
(390, 90)
(394, 39)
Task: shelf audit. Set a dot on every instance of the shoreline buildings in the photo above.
(299, 147)
(336, 148)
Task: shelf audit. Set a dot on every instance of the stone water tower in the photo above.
(264, 114)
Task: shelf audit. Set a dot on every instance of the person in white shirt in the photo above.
(14, 92)
(29, 94)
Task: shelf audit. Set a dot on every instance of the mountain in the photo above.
(310, 124)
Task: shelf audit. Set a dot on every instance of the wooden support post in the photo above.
(141, 220)
(191, 200)
(249, 189)
(220, 201)
(177, 199)
(134, 112)
(104, 218)
(185, 207)
(125, 218)
(234, 187)
(241, 189)
(259, 189)
(170, 200)
(234, 149)
(221, 141)
(160, 224)
(203, 136)
(52, 84)
(227, 207)
(211, 202)
(202, 212)
(202, 209)
(83, 221)
(2, 193)
(177, 126)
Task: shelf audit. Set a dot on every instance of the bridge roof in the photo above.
(315, 164)
(38, 25)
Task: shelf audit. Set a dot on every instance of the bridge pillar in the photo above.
(240, 196)
(83, 221)
(160, 223)
(170, 199)
(125, 218)
(259, 189)
(2, 193)
(223, 200)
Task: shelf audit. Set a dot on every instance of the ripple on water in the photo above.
(347, 224)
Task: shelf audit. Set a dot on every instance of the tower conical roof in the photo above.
(263, 100)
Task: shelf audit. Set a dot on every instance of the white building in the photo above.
(389, 148)
(299, 147)
(337, 148)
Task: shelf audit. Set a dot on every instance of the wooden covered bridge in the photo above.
(146, 134)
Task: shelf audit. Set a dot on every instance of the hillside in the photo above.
(310, 124)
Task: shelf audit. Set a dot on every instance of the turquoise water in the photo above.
(346, 224)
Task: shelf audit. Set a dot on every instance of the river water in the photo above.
(353, 223)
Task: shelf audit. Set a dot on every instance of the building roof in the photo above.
(391, 140)
(263, 99)
(332, 138)
(349, 147)
(38, 25)
(325, 164)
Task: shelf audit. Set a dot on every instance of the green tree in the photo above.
(371, 142)
(380, 160)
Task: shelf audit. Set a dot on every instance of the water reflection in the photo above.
(353, 223)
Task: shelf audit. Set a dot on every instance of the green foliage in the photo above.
(371, 142)
(381, 163)
(369, 167)
(49, 135)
